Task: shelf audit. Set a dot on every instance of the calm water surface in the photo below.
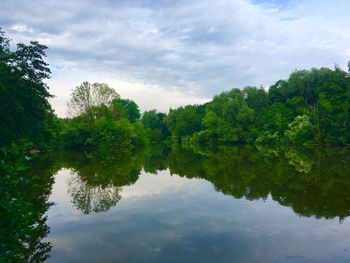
(231, 205)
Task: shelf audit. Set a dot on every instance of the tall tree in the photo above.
(25, 112)
(87, 95)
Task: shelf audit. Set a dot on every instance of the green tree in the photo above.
(25, 113)
(229, 118)
(184, 121)
(300, 130)
(154, 123)
(106, 123)
(86, 96)
(125, 108)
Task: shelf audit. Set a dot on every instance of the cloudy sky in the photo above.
(167, 53)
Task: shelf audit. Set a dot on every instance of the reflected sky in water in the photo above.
(163, 217)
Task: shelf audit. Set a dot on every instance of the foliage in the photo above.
(228, 117)
(105, 122)
(126, 109)
(88, 96)
(156, 129)
(300, 130)
(25, 113)
(184, 121)
(310, 107)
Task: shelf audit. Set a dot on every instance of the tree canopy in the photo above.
(25, 113)
(87, 96)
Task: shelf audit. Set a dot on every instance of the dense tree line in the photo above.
(311, 107)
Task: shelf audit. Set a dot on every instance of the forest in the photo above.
(310, 108)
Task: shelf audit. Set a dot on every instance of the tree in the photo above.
(185, 121)
(25, 113)
(86, 96)
(154, 123)
(256, 98)
(4, 46)
(323, 95)
(125, 108)
(300, 130)
(105, 122)
(228, 117)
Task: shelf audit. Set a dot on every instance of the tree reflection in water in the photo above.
(24, 194)
(89, 198)
(96, 182)
(312, 182)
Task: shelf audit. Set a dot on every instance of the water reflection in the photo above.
(92, 198)
(96, 182)
(315, 183)
(24, 202)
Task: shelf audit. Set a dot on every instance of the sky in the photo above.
(169, 53)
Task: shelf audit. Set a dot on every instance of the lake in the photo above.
(232, 204)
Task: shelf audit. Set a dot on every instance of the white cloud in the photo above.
(183, 51)
(21, 28)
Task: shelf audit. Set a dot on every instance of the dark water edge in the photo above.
(238, 204)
